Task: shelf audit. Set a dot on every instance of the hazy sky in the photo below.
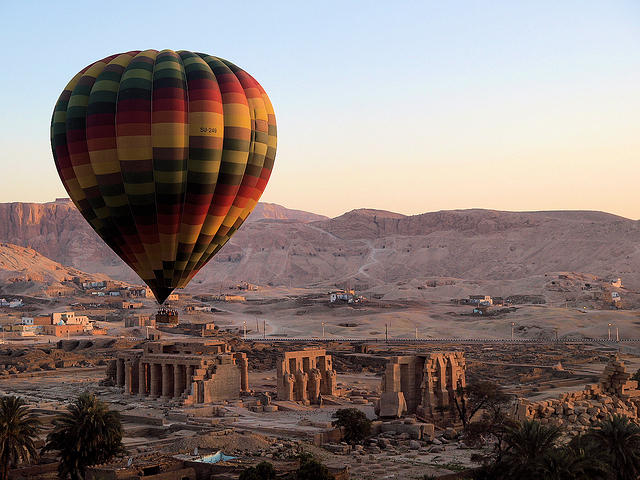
(402, 106)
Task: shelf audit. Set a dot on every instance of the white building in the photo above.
(11, 303)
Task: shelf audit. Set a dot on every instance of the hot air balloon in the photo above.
(165, 154)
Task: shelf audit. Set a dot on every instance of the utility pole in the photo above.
(264, 328)
(609, 330)
(323, 324)
(617, 334)
(416, 333)
(513, 324)
(244, 326)
(257, 327)
(386, 332)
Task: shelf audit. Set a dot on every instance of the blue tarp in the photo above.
(215, 458)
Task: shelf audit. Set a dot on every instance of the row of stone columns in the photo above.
(155, 379)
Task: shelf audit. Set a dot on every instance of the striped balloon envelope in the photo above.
(165, 154)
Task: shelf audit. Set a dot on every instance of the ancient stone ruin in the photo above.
(193, 372)
(424, 385)
(305, 375)
(577, 411)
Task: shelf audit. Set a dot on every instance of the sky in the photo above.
(403, 106)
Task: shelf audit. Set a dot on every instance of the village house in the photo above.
(69, 318)
(348, 296)
(246, 286)
(23, 327)
(93, 285)
(480, 300)
(131, 305)
(17, 303)
(140, 321)
(228, 298)
(142, 292)
(616, 283)
(199, 308)
(62, 330)
(43, 320)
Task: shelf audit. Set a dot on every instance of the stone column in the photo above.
(135, 376)
(286, 392)
(156, 379)
(178, 380)
(142, 379)
(189, 379)
(300, 391)
(314, 385)
(330, 383)
(167, 381)
(200, 384)
(111, 369)
(128, 371)
(440, 387)
(196, 392)
(119, 372)
(243, 365)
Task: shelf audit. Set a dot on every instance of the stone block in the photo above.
(392, 404)
(450, 433)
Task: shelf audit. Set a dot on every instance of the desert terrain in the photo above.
(537, 302)
(551, 267)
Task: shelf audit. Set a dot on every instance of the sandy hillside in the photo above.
(25, 271)
(371, 249)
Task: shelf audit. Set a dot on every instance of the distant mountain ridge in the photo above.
(370, 247)
(23, 270)
(278, 212)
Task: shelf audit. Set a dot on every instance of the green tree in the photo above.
(568, 464)
(311, 469)
(89, 433)
(587, 460)
(527, 445)
(619, 441)
(355, 423)
(18, 431)
(532, 454)
(479, 395)
(494, 423)
(262, 471)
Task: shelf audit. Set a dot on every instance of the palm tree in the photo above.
(619, 440)
(532, 454)
(527, 444)
(87, 434)
(530, 440)
(570, 464)
(18, 431)
(587, 460)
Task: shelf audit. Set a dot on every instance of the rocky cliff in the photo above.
(367, 247)
(24, 271)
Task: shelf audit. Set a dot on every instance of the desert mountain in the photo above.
(366, 248)
(23, 270)
(278, 212)
(58, 231)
